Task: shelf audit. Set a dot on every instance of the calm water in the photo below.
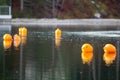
(41, 59)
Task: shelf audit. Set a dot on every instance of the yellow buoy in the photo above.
(87, 53)
(7, 37)
(58, 33)
(20, 31)
(17, 40)
(58, 37)
(109, 54)
(23, 31)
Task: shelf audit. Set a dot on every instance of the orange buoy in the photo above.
(7, 44)
(109, 54)
(20, 31)
(58, 37)
(87, 53)
(7, 37)
(23, 31)
(7, 41)
(58, 33)
(17, 40)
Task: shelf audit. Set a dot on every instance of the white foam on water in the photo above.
(97, 33)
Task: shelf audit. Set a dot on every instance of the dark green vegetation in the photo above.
(5, 2)
(66, 8)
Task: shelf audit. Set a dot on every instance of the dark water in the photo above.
(41, 59)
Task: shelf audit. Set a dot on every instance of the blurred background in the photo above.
(63, 9)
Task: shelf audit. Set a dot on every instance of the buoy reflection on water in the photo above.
(23, 40)
(57, 42)
(87, 53)
(109, 54)
(7, 44)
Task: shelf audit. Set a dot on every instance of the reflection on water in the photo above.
(7, 44)
(41, 59)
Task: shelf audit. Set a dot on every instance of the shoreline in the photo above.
(54, 22)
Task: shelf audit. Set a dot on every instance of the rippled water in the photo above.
(41, 59)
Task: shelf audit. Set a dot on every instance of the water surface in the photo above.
(41, 59)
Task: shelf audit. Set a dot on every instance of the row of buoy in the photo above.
(108, 56)
(87, 50)
(16, 39)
